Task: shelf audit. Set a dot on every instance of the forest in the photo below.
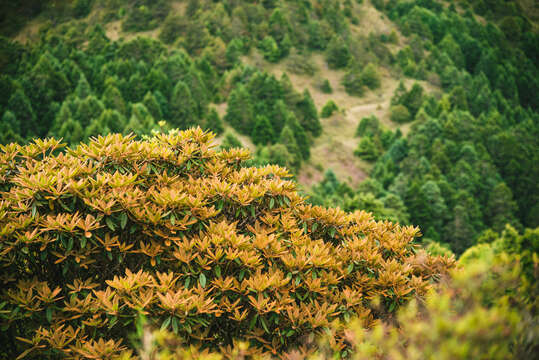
(301, 179)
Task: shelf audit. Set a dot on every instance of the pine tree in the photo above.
(112, 121)
(367, 149)
(370, 77)
(230, 141)
(287, 139)
(71, 132)
(302, 139)
(20, 106)
(240, 110)
(113, 99)
(83, 89)
(309, 119)
(183, 108)
(11, 123)
(262, 131)
(337, 53)
(329, 109)
(87, 110)
(501, 208)
(141, 121)
(213, 122)
(270, 49)
(153, 106)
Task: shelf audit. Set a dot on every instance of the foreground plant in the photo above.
(94, 237)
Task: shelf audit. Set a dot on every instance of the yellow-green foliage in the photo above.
(93, 238)
(479, 312)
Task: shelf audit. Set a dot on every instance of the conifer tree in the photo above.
(302, 139)
(240, 110)
(287, 139)
(183, 108)
(71, 132)
(153, 106)
(262, 131)
(370, 77)
(83, 89)
(329, 109)
(337, 53)
(501, 208)
(141, 121)
(11, 123)
(20, 106)
(270, 49)
(213, 122)
(88, 109)
(230, 141)
(309, 119)
(367, 149)
(112, 121)
(112, 99)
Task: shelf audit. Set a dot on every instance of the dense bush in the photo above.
(99, 235)
(399, 114)
(329, 109)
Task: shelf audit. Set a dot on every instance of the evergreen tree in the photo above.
(370, 77)
(71, 132)
(112, 99)
(353, 82)
(329, 109)
(213, 122)
(240, 111)
(83, 89)
(141, 121)
(20, 106)
(262, 131)
(367, 149)
(153, 106)
(230, 141)
(501, 208)
(337, 53)
(87, 110)
(309, 120)
(301, 136)
(10, 123)
(287, 139)
(112, 121)
(183, 108)
(270, 49)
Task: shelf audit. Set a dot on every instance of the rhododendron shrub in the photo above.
(95, 237)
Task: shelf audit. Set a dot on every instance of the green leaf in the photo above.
(110, 223)
(350, 268)
(202, 280)
(172, 219)
(290, 333)
(175, 325)
(332, 232)
(48, 314)
(70, 244)
(123, 221)
(83, 242)
(264, 325)
(218, 271)
(314, 227)
(253, 322)
(166, 323)
(187, 282)
(272, 203)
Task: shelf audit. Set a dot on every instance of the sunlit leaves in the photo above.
(166, 227)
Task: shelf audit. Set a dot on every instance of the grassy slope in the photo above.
(334, 148)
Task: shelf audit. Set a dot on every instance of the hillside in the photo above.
(409, 130)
